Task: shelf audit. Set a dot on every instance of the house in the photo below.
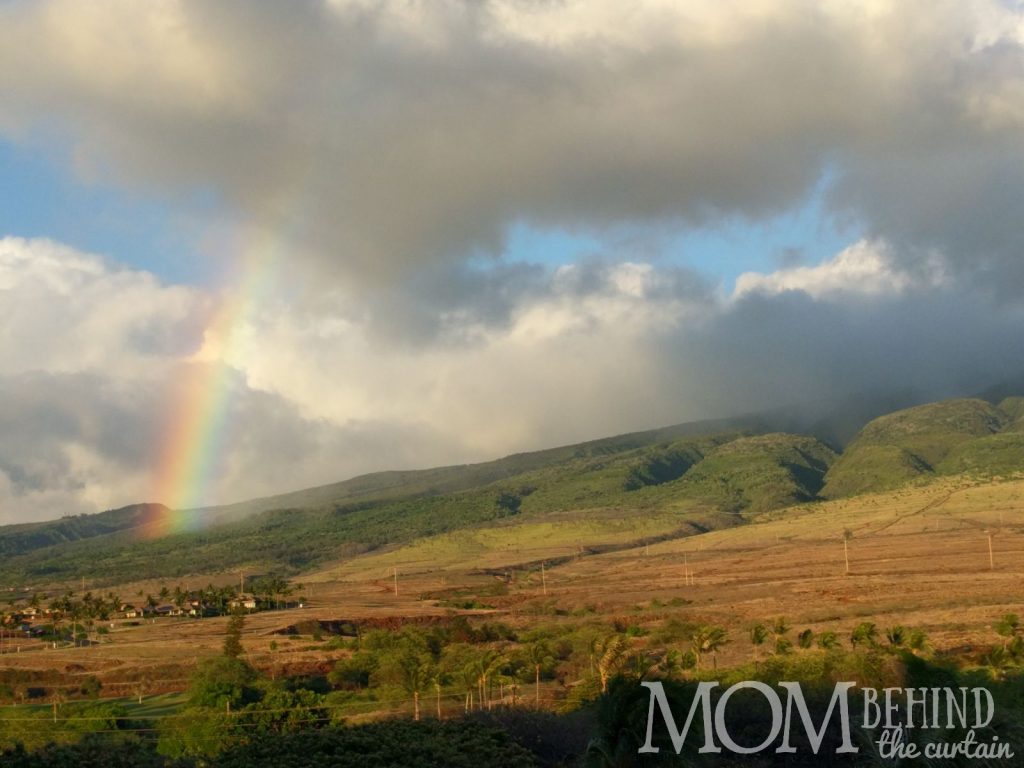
(200, 609)
(244, 602)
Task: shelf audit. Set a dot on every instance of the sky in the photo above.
(249, 248)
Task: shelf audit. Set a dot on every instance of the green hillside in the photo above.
(577, 478)
(756, 474)
(404, 484)
(1013, 407)
(993, 455)
(667, 482)
(22, 539)
(936, 438)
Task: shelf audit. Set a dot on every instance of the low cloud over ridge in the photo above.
(602, 349)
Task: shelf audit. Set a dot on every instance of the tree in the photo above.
(508, 504)
(222, 681)
(538, 655)
(438, 678)
(468, 679)
(918, 641)
(896, 636)
(486, 665)
(779, 629)
(865, 633)
(707, 639)
(233, 639)
(610, 652)
(805, 639)
(828, 640)
(1007, 627)
(758, 636)
(416, 675)
(675, 662)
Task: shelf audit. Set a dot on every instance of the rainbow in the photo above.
(191, 452)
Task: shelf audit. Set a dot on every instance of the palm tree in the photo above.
(486, 665)
(538, 655)
(468, 679)
(610, 652)
(438, 678)
(416, 674)
(865, 633)
(1007, 627)
(896, 636)
(779, 629)
(828, 640)
(675, 662)
(918, 641)
(708, 639)
(758, 636)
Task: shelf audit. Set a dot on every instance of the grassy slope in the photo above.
(21, 539)
(581, 500)
(755, 474)
(616, 491)
(908, 444)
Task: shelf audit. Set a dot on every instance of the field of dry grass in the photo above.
(919, 557)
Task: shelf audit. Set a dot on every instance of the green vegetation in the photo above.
(938, 438)
(995, 455)
(669, 463)
(614, 492)
(463, 694)
(28, 537)
(758, 474)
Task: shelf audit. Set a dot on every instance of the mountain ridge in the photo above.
(667, 479)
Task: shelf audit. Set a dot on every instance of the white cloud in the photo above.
(62, 310)
(864, 268)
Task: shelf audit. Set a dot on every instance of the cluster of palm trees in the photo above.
(864, 635)
(1011, 651)
(477, 678)
(82, 613)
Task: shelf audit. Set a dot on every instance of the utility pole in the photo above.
(543, 579)
(241, 583)
(395, 573)
(991, 558)
(847, 535)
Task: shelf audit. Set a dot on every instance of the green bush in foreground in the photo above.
(392, 744)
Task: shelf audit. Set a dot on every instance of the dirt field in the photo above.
(918, 558)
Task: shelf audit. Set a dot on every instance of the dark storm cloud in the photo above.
(388, 137)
